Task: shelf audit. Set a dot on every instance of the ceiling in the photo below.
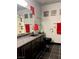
(20, 7)
(43, 2)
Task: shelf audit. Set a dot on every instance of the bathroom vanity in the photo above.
(29, 47)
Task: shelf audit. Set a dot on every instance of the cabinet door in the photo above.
(34, 48)
(19, 53)
(27, 51)
(42, 43)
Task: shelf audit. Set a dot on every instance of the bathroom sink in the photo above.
(33, 34)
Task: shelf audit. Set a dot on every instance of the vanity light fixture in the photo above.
(22, 3)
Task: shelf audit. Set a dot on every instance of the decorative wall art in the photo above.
(30, 15)
(26, 15)
(20, 19)
(21, 27)
(19, 23)
(20, 32)
(53, 13)
(46, 13)
(33, 10)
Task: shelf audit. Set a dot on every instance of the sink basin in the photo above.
(33, 34)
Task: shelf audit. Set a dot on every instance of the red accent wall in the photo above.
(58, 28)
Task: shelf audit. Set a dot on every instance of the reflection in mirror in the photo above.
(23, 18)
(26, 15)
(31, 15)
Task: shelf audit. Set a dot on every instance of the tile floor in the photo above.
(53, 53)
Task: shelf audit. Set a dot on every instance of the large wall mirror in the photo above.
(24, 20)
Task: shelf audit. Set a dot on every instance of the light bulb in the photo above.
(22, 3)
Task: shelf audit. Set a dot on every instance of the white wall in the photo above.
(37, 8)
(22, 12)
(36, 17)
(49, 22)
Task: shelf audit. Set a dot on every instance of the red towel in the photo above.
(27, 27)
(36, 27)
(58, 28)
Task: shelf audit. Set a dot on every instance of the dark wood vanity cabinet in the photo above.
(36, 47)
(19, 53)
(27, 51)
(31, 49)
(24, 52)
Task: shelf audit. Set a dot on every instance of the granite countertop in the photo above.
(26, 39)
